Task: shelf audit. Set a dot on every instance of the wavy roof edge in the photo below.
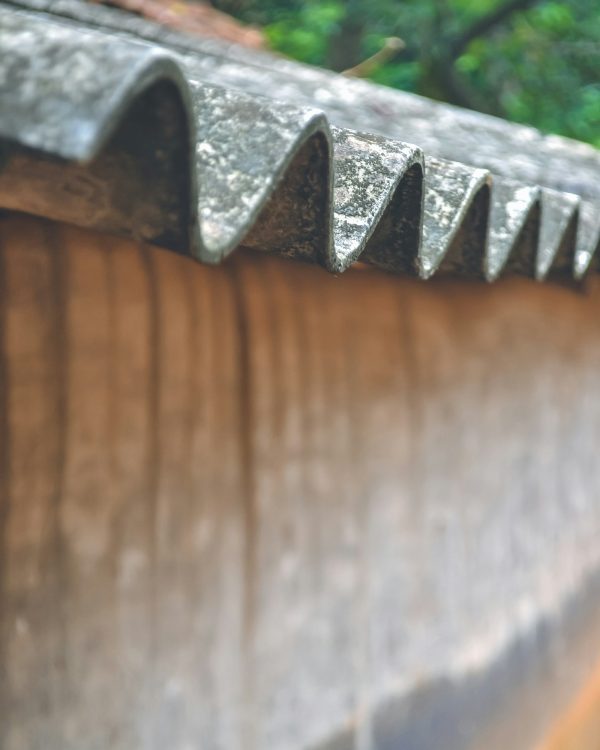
(108, 129)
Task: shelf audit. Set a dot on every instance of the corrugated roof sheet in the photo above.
(116, 123)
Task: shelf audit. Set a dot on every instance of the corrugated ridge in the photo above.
(219, 169)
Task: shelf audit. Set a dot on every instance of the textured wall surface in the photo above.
(258, 506)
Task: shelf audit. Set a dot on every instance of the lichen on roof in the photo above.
(116, 123)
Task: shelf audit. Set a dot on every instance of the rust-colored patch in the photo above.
(193, 18)
(579, 727)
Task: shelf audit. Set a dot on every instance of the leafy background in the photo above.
(527, 61)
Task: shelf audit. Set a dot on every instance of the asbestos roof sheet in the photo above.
(116, 123)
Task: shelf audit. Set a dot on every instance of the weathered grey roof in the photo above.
(116, 123)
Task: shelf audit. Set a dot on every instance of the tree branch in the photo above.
(391, 49)
(484, 25)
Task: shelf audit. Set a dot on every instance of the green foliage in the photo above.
(537, 64)
(305, 34)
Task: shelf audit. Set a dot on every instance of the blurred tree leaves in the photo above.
(306, 34)
(532, 62)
